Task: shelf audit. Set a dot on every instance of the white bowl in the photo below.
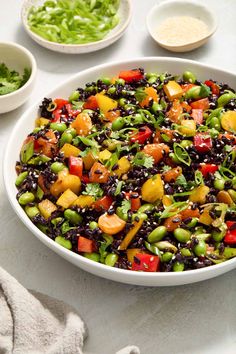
(175, 8)
(17, 58)
(124, 14)
(25, 125)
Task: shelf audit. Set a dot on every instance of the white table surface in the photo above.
(193, 319)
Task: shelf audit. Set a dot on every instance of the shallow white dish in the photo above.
(175, 8)
(17, 58)
(25, 125)
(124, 14)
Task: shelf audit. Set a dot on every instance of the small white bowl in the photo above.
(17, 58)
(178, 8)
(124, 13)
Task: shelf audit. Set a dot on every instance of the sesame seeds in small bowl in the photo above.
(181, 26)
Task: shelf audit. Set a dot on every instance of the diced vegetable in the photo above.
(146, 263)
(46, 208)
(173, 90)
(131, 75)
(86, 245)
(66, 199)
(130, 235)
(152, 190)
(111, 224)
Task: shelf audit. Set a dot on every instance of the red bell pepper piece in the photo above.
(56, 114)
(146, 263)
(208, 168)
(131, 75)
(197, 115)
(230, 237)
(72, 112)
(76, 166)
(201, 104)
(142, 135)
(85, 179)
(103, 204)
(91, 103)
(60, 102)
(135, 202)
(202, 142)
(214, 87)
(86, 245)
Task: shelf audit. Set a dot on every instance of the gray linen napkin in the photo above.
(34, 323)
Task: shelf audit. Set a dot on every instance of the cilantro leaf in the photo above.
(11, 80)
(144, 160)
(94, 190)
(125, 206)
(140, 95)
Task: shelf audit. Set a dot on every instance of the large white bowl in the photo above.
(17, 58)
(25, 125)
(124, 13)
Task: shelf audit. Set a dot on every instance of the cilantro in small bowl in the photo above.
(17, 75)
(11, 80)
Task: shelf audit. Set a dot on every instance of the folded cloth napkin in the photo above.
(34, 323)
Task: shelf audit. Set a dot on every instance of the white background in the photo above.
(192, 319)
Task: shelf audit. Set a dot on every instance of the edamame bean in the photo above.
(63, 242)
(225, 98)
(121, 214)
(111, 90)
(189, 77)
(185, 252)
(141, 216)
(167, 257)
(122, 102)
(26, 198)
(232, 193)
(218, 235)
(215, 123)
(31, 211)
(157, 234)
(200, 248)
(66, 138)
(60, 127)
(111, 259)
(219, 184)
(72, 216)
(120, 82)
(93, 225)
(192, 223)
(20, 178)
(185, 143)
(178, 267)
(182, 235)
(234, 182)
(57, 166)
(93, 256)
(74, 96)
(145, 207)
(118, 123)
(106, 80)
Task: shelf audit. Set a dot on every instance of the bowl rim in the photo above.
(33, 68)
(87, 264)
(105, 40)
(193, 4)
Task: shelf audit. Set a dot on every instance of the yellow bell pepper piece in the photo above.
(46, 208)
(65, 181)
(104, 155)
(41, 122)
(105, 103)
(199, 194)
(167, 200)
(188, 127)
(89, 159)
(228, 121)
(131, 253)
(152, 190)
(66, 199)
(84, 201)
(205, 218)
(130, 235)
(173, 90)
(70, 150)
(123, 166)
